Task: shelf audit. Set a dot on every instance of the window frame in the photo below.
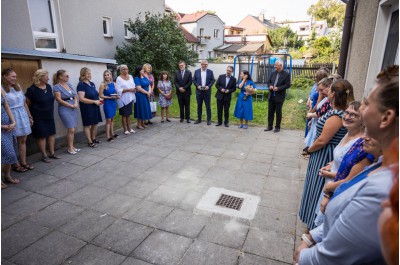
(216, 33)
(46, 35)
(108, 21)
(129, 36)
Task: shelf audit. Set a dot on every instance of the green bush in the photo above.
(302, 82)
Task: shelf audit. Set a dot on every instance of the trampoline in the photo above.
(260, 68)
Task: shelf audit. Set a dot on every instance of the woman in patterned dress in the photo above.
(8, 155)
(165, 97)
(67, 100)
(330, 132)
(16, 101)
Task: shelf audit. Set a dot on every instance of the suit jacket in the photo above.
(349, 234)
(209, 80)
(185, 82)
(221, 84)
(283, 84)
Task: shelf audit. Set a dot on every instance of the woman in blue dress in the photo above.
(8, 142)
(67, 100)
(89, 103)
(142, 105)
(109, 94)
(244, 103)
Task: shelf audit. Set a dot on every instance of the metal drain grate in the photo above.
(230, 202)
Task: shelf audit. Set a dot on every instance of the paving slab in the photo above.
(249, 259)
(184, 223)
(19, 236)
(87, 196)
(8, 196)
(162, 248)
(61, 189)
(37, 182)
(53, 249)
(116, 204)
(122, 237)
(132, 261)
(274, 220)
(204, 253)
(148, 213)
(93, 255)
(87, 225)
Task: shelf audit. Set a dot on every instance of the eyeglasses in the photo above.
(351, 115)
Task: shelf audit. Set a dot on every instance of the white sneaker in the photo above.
(133, 131)
(71, 152)
(77, 149)
(127, 133)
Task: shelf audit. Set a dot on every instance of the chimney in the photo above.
(261, 17)
(273, 20)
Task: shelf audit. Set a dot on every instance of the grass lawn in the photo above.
(292, 116)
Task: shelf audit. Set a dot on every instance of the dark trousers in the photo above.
(274, 107)
(184, 107)
(223, 106)
(207, 100)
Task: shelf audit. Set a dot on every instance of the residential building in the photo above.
(66, 34)
(374, 42)
(304, 28)
(207, 28)
(255, 25)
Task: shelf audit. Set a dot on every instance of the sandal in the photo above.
(168, 120)
(19, 169)
(3, 186)
(110, 139)
(54, 156)
(45, 159)
(92, 145)
(27, 166)
(96, 141)
(115, 136)
(11, 180)
(162, 120)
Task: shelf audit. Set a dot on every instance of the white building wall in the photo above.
(209, 23)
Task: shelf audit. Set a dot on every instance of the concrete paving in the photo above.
(132, 201)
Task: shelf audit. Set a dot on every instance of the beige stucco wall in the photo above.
(361, 44)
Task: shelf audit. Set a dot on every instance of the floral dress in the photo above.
(166, 88)
(8, 141)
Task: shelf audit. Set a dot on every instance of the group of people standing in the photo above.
(352, 148)
(203, 79)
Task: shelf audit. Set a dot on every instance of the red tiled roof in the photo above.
(189, 18)
(189, 36)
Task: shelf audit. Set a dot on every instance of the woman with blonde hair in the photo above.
(67, 100)
(17, 103)
(147, 69)
(89, 103)
(40, 99)
(125, 87)
(109, 94)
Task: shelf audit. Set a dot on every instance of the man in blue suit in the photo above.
(203, 81)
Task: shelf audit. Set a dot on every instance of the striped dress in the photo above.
(314, 183)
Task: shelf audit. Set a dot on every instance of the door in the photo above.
(24, 69)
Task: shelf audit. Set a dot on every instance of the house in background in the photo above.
(255, 25)
(373, 44)
(304, 28)
(66, 34)
(207, 28)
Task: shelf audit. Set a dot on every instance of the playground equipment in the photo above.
(260, 67)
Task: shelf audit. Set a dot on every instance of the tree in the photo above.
(158, 41)
(331, 10)
(279, 35)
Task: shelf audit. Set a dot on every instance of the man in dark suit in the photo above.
(203, 80)
(278, 82)
(226, 85)
(183, 83)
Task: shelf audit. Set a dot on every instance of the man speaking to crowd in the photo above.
(277, 83)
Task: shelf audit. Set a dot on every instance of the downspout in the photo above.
(344, 48)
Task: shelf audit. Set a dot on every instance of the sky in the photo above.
(233, 11)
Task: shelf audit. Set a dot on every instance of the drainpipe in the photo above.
(344, 48)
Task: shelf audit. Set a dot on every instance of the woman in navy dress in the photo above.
(89, 103)
(67, 106)
(142, 105)
(108, 92)
(40, 99)
(8, 142)
(244, 103)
